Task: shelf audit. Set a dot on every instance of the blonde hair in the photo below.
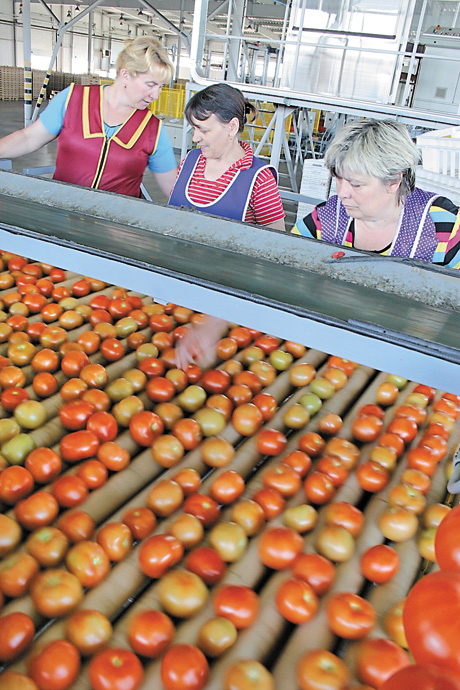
(378, 148)
(145, 54)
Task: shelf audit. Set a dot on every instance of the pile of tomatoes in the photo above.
(256, 524)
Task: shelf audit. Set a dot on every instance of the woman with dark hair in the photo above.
(377, 207)
(222, 176)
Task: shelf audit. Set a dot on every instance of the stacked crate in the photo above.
(11, 83)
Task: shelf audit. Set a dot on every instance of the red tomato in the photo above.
(422, 677)
(430, 621)
(377, 659)
(207, 563)
(249, 674)
(296, 600)
(79, 445)
(334, 468)
(227, 487)
(145, 427)
(270, 500)
(279, 547)
(403, 427)
(48, 545)
(446, 541)
(311, 443)
(372, 476)
(16, 482)
(69, 490)
(271, 442)
(16, 574)
(366, 428)
(158, 554)
(246, 419)
(12, 680)
(44, 464)
(55, 592)
(318, 488)
(104, 425)
(141, 522)
(12, 397)
(55, 666)
(93, 472)
(350, 616)
(184, 667)
(115, 669)
(150, 633)
(267, 405)
(318, 571)
(319, 669)
(215, 381)
(16, 633)
(77, 525)
(88, 561)
(116, 540)
(205, 508)
(113, 456)
(89, 630)
(38, 509)
(379, 563)
(283, 478)
(238, 603)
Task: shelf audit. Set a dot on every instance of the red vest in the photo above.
(87, 158)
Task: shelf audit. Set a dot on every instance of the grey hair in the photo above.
(377, 148)
(145, 54)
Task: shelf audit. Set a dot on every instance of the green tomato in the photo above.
(280, 359)
(118, 389)
(126, 326)
(311, 402)
(30, 414)
(192, 398)
(8, 429)
(18, 448)
(323, 388)
(211, 421)
(398, 381)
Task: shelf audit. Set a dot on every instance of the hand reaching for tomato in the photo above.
(198, 345)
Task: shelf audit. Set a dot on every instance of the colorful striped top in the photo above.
(265, 204)
(445, 217)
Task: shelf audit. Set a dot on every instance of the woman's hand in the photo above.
(198, 346)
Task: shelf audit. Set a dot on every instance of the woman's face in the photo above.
(365, 197)
(213, 136)
(142, 88)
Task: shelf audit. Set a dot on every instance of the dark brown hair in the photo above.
(223, 101)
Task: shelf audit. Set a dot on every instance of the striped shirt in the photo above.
(443, 212)
(265, 204)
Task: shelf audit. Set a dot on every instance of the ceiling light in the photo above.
(69, 14)
(77, 8)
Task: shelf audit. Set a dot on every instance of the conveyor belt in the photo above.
(166, 258)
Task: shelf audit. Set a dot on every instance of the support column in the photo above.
(27, 48)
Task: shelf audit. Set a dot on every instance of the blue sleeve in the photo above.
(301, 228)
(163, 160)
(52, 118)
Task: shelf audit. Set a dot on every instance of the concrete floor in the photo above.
(12, 118)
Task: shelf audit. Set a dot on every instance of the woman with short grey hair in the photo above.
(377, 207)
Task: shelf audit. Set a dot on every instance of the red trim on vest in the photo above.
(87, 158)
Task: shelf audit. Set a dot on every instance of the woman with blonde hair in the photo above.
(107, 135)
